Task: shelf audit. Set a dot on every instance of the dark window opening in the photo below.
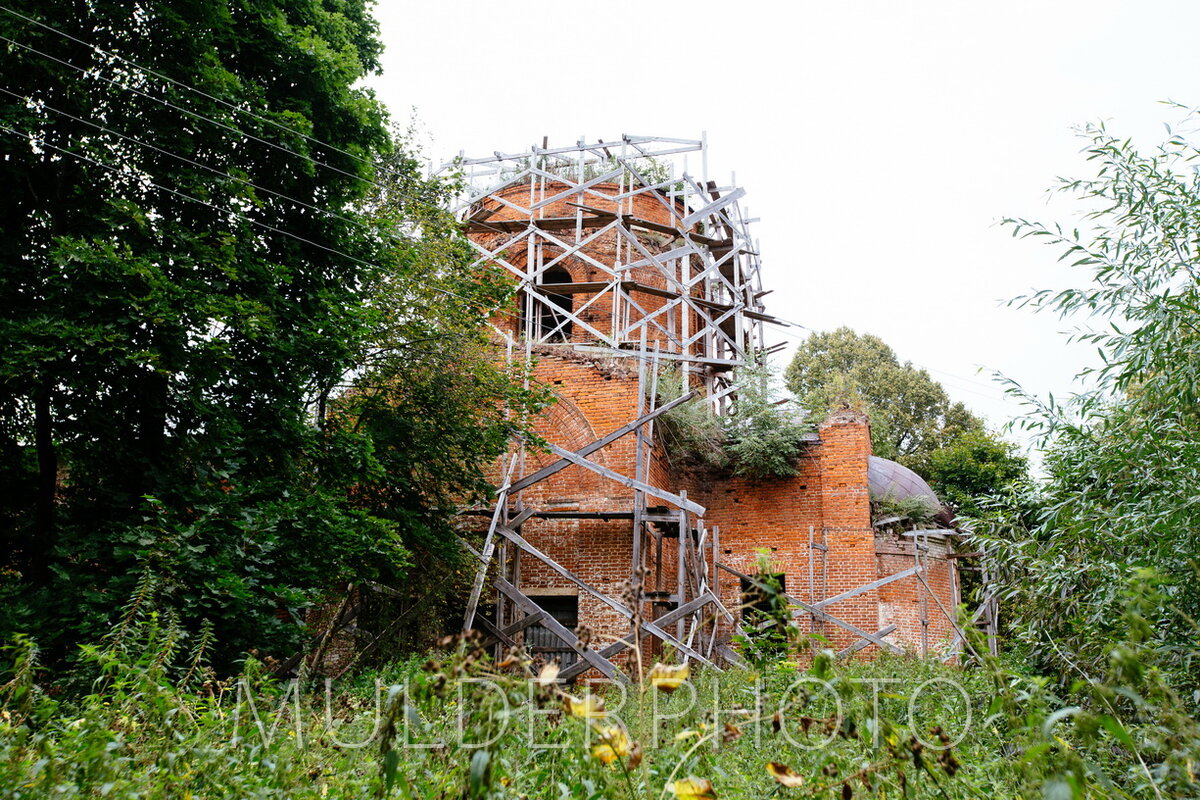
(552, 324)
(543, 643)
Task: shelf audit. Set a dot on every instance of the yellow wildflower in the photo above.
(784, 774)
(589, 707)
(548, 674)
(668, 677)
(692, 788)
(614, 743)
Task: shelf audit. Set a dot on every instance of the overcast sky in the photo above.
(879, 142)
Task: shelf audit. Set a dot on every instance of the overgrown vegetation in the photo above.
(244, 364)
(911, 414)
(1123, 459)
(912, 418)
(760, 436)
(157, 722)
(908, 512)
(242, 348)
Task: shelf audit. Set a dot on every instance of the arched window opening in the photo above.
(552, 324)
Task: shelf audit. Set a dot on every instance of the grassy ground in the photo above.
(461, 726)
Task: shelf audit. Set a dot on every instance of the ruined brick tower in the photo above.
(639, 281)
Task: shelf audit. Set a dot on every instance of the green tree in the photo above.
(975, 465)
(1123, 460)
(201, 251)
(911, 415)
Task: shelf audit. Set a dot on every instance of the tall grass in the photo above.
(154, 723)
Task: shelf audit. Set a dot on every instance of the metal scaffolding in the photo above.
(683, 290)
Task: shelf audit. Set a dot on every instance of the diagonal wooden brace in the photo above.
(622, 644)
(649, 627)
(594, 659)
(866, 587)
(819, 614)
(563, 463)
(612, 475)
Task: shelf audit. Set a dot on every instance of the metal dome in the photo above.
(887, 480)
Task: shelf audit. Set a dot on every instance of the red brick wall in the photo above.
(596, 309)
(826, 503)
(905, 602)
(829, 497)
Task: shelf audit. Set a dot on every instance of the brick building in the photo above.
(631, 281)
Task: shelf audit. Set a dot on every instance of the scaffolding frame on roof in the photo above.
(712, 271)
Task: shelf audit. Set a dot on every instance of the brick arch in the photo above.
(564, 424)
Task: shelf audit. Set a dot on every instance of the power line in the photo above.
(223, 126)
(219, 124)
(181, 84)
(159, 186)
(41, 104)
(251, 220)
(238, 131)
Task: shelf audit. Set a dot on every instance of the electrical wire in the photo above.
(219, 124)
(223, 126)
(182, 85)
(43, 105)
(251, 220)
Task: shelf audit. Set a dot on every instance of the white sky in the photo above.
(880, 142)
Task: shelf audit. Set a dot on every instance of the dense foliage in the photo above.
(912, 418)
(240, 347)
(459, 724)
(758, 436)
(1123, 460)
(973, 467)
(244, 365)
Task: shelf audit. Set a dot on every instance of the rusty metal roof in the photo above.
(888, 480)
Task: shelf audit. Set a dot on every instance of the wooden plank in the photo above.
(601, 515)
(616, 605)
(523, 543)
(494, 633)
(470, 549)
(681, 502)
(561, 464)
(546, 224)
(958, 632)
(714, 207)
(514, 628)
(489, 544)
(866, 587)
(861, 643)
(859, 632)
(657, 258)
(726, 652)
(606, 667)
(582, 287)
(608, 651)
(575, 188)
(521, 517)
